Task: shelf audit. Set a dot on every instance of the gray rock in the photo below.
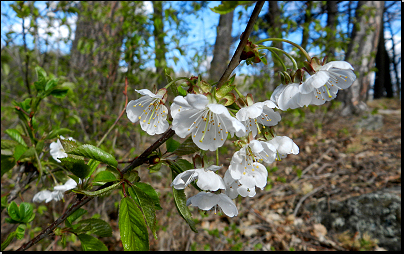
(370, 122)
(378, 214)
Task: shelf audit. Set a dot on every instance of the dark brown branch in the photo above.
(235, 60)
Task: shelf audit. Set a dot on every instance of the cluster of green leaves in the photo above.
(21, 215)
(24, 145)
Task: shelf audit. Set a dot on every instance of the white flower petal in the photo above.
(147, 92)
(337, 64)
(343, 79)
(183, 179)
(209, 180)
(227, 205)
(42, 196)
(57, 151)
(197, 101)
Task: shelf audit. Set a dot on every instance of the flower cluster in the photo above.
(320, 87)
(203, 114)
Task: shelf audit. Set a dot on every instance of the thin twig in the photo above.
(305, 197)
(235, 60)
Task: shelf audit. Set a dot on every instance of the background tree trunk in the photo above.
(159, 46)
(361, 54)
(306, 28)
(275, 31)
(99, 61)
(332, 11)
(222, 47)
(95, 57)
(383, 78)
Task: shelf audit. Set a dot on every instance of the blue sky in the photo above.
(202, 33)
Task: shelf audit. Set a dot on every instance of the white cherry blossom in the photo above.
(260, 112)
(150, 111)
(57, 150)
(290, 97)
(284, 146)
(234, 187)
(56, 194)
(207, 200)
(327, 80)
(208, 122)
(207, 179)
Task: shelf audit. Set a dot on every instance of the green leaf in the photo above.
(51, 84)
(59, 92)
(180, 165)
(147, 205)
(187, 147)
(78, 167)
(28, 153)
(7, 163)
(13, 211)
(20, 231)
(15, 135)
(172, 145)
(90, 243)
(132, 228)
(19, 150)
(26, 212)
(69, 145)
(8, 144)
(105, 176)
(92, 152)
(180, 202)
(93, 164)
(156, 167)
(151, 192)
(225, 7)
(77, 214)
(6, 242)
(99, 193)
(58, 132)
(96, 226)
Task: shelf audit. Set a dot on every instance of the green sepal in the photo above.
(225, 88)
(227, 100)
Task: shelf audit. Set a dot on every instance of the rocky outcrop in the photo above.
(378, 214)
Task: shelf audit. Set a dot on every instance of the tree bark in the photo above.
(332, 11)
(306, 28)
(95, 57)
(159, 46)
(222, 47)
(100, 62)
(383, 78)
(361, 55)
